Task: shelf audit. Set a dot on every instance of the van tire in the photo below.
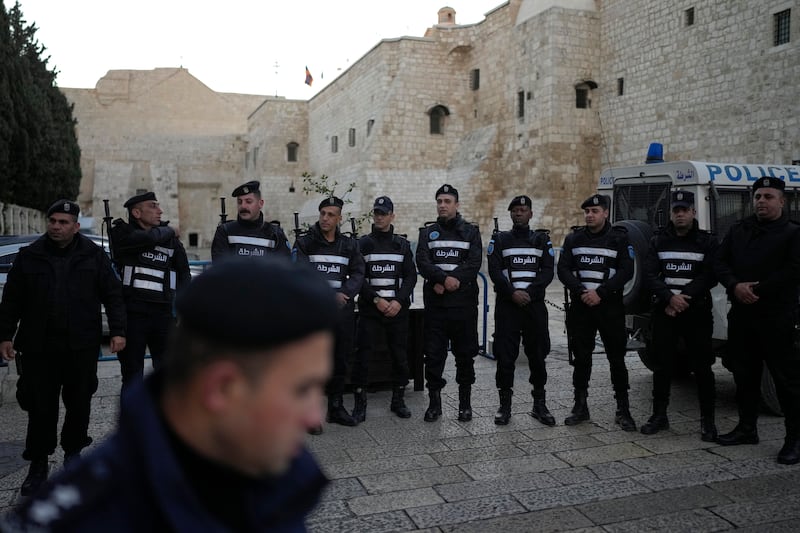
(636, 299)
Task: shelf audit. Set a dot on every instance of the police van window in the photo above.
(729, 206)
(647, 202)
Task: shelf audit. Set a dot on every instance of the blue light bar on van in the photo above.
(655, 153)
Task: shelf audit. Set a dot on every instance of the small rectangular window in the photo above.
(370, 123)
(581, 98)
(620, 86)
(247, 159)
(689, 16)
(351, 137)
(255, 157)
(475, 79)
(335, 144)
(291, 152)
(193, 239)
(782, 26)
(521, 104)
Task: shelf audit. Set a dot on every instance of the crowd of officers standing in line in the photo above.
(758, 263)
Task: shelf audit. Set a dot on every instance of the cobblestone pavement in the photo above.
(390, 474)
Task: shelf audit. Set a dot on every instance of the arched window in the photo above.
(291, 152)
(437, 115)
(583, 94)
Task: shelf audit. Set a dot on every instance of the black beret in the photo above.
(144, 197)
(520, 200)
(682, 199)
(768, 181)
(247, 188)
(595, 200)
(383, 204)
(447, 189)
(284, 302)
(64, 206)
(333, 201)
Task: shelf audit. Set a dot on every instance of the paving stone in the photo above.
(11, 456)
(482, 441)
(673, 443)
(650, 504)
(547, 433)
(759, 466)
(339, 437)
(688, 521)
(764, 449)
(412, 479)
(757, 488)
(343, 489)
(560, 444)
(377, 523)
(396, 450)
(671, 461)
(602, 454)
(328, 456)
(474, 455)
(377, 466)
(751, 513)
(684, 477)
(547, 521)
(484, 425)
(514, 465)
(394, 501)
(330, 510)
(441, 429)
(581, 493)
(464, 511)
(785, 526)
(503, 485)
(612, 470)
(572, 476)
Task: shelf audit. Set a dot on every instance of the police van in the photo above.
(641, 203)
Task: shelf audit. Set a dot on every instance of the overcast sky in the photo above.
(231, 46)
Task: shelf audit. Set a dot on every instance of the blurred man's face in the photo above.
(61, 228)
(768, 203)
(382, 221)
(595, 217)
(682, 217)
(330, 218)
(521, 215)
(446, 206)
(148, 214)
(249, 206)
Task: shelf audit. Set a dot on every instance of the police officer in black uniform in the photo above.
(152, 264)
(53, 292)
(521, 267)
(249, 235)
(389, 281)
(336, 257)
(679, 271)
(449, 258)
(213, 439)
(759, 265)
(594, 266)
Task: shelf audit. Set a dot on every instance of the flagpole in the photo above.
(276, 65)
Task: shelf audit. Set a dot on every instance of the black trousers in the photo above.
(372, 331)
(43, 378)
(343, 347)
(145, 329)
(753, 341)
(457, 326)
(530, 323)
(695, 326)
(585, 322)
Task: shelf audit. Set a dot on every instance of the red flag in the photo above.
(309, 78)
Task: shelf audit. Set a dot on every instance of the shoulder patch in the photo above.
(433, 235)
(490, 248)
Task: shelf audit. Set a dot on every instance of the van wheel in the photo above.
(769, 396)
(636, 299)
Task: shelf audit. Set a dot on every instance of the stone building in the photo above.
(535, 98)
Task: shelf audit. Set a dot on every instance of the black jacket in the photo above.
(765, 252)
(387, 258)
(450, 248)
(521, 259)
(346, 274)
(41, 305)
(681, 265)
(250, 239)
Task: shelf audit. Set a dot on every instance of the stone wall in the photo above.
(16, 220)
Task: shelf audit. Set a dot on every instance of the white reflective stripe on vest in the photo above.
(677, 281)
(386, 294)
(335, 283)
(447, 267)
(688, 256)
(149, 272)
(588, 250)
(463, 245)
(522, 251)
(675, 291)
(521, 284)
(168, 251)
(372, 258)
(255, 241)
(149, 285)
(127, 274)
(522, 274)
(591, 274)
(590, 285)
(338, 259)
(612, 272)
(381, 282)
(173, 278)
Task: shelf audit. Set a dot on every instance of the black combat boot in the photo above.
(464, 403)
(742, 434)
(434, 410)
(623, 417)
(708, 429)
(658, 421)
(540, 411)
(337, 414)
(503, 414)
(790, 453)
(580, 411)
(360, 405)
(37, 474)
(398, 405)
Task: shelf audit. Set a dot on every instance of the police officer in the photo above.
(152, 264)
(389, 280)
(213, 439)
(53, 293)
(759, 265)
(336, 257)
(448, 258)
(249, 235)
(679, 271)
(521, 267)
(594, 266)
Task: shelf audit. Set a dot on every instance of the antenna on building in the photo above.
(277, 66)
